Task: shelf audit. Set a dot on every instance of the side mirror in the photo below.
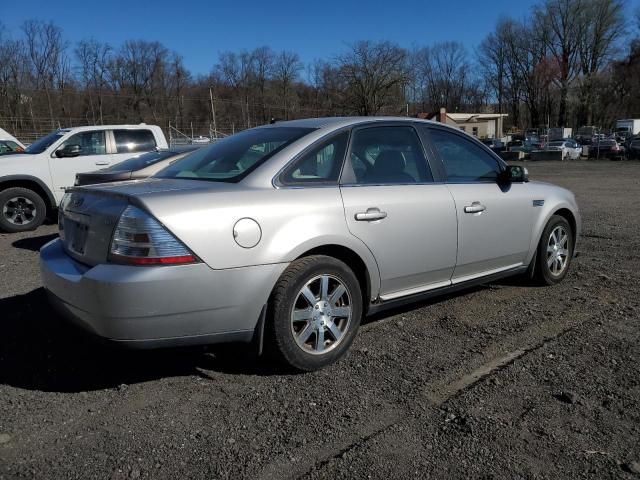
(69, 151)
(517, 173)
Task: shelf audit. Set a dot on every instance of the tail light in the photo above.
(139, 239)
(615, 147)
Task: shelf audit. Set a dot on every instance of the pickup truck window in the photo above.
(132, 141)
(91, 143)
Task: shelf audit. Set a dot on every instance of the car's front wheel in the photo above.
(316, 309)
(21, 209)
(555, 251)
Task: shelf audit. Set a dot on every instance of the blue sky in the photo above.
(200, 29)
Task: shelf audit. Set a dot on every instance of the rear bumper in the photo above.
(147, 307)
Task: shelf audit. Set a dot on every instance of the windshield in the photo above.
(233, 158)
(43, 143)
(141, 161)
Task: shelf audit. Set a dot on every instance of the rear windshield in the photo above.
(233, 158)
(142, 161)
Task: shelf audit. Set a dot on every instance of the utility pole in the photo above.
(213, 114)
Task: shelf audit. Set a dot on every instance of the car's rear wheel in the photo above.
(316, 309)
(21, 209)
(555, 251)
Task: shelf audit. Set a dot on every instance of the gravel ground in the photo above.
(501, 381)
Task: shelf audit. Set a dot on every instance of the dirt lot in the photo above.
(503, 381)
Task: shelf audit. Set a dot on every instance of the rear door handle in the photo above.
(102, 163)
(475, 207)
(371, 215)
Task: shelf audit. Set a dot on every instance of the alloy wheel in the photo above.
(321, 314)
(19, 211)
(558, 250)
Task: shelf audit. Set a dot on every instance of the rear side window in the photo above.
(463, 160)
(388, 155)
(321, 165)
(132, 141)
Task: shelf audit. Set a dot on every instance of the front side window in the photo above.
(132, 141)
(463, 160)
(388, 155)
(90, 143)
(321, 165)
(233, 158)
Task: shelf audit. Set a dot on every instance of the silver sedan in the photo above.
(287, 235)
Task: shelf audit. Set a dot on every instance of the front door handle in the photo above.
(102, 163)
(371, 215)
(475, 207)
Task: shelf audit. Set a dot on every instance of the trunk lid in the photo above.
(88, 215)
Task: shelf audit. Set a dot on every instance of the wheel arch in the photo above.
(354, 261)
(569, 217)
(32, 183)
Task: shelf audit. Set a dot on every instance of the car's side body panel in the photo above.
(499, 237)
(415, 244)
(292, 222)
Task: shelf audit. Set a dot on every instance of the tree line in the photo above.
(567, 63)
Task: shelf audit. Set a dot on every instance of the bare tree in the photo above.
(45, 50)
(93, 63)
(562, 19)
(263, 66)
(372, 72)
(603, 26)
(286, 69)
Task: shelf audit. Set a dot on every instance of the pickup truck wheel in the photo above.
(21, 209)
(555, 252)
(316, 311)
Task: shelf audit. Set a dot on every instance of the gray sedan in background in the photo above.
(287, 235)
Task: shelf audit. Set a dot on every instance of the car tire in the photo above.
(21, 209)
(555, 252)
(308, 327)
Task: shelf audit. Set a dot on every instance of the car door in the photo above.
(393, 205)
(494, 219)
(91, 155)
(131, 142)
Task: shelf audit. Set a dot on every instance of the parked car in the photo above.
(585, 135)
(606, 148)
(330, 219)
(494, 144)
(633, 151)
(141, 166)
(526, 146)
(34, 182)
(9, 143)
(7, 147)
(570, 148)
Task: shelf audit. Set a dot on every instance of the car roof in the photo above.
(107, 127)
(338, 122)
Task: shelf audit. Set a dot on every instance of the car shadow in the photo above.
(40, 351)
(34, 243)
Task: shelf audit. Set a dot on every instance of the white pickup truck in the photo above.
(33, 183)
